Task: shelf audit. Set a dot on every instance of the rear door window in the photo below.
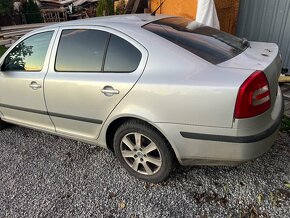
(208, 43)
(81, 50)
(121, 56)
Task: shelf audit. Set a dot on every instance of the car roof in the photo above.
(133, 20)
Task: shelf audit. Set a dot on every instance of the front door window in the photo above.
(29, 54)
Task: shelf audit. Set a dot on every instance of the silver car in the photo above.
(156, 90)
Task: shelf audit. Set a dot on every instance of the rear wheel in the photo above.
(143, 151)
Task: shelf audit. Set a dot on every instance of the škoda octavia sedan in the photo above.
(156, 90)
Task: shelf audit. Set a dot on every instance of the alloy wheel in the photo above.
(141, 153)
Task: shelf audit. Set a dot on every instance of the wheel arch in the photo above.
(115, 124)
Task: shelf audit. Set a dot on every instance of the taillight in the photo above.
(254, 96)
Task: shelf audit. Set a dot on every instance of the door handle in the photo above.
(110, 91)
(34, 85)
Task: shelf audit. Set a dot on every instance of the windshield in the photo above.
(208, 43)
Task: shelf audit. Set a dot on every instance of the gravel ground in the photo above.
(49, 176)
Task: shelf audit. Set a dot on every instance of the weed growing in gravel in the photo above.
(2, 50)
(285, 125)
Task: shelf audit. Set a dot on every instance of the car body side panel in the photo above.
(179, 87)
(216, 150)
(74, 100)
(198, 97)
(172, 89)
(190, 151)
(193, 96)
(19, 103)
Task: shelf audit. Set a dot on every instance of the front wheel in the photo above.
(143, 151)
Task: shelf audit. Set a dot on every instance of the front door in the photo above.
(93, 69)
(21, 82)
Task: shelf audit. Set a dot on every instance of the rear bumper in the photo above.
(221, 146)
(232, 153)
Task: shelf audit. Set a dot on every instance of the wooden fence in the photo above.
(8, 20)
(9, 34)
(227, 11)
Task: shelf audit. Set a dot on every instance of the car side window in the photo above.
(81, 50)
(28, 55)
(121, 56)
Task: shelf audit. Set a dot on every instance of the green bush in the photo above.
(6, 7)
(32, 12)
(105, 7)
(285, 125)
(2, 50)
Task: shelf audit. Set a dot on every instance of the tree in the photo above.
(105, 7)
(121, 7)
(32, 12)
(16, 58)
(6, 7)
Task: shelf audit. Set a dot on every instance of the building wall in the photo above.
(227, 11)
(185, 8)
(266, 21)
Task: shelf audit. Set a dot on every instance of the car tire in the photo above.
(143, 151)
(3, 125)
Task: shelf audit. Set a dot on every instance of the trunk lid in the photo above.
(260, 56)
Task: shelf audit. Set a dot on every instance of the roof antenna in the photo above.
(154, 12)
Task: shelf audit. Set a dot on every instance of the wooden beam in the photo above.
(5, 41)
(9, 34)
(23, 26)
(135, 7)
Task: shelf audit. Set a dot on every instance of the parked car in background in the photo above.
(155, 90)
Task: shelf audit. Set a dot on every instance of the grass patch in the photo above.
(2, 50)
(285, 125)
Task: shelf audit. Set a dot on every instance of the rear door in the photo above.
(21, 81)
(91, 70)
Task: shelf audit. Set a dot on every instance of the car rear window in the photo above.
(208, 43)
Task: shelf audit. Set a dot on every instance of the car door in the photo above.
(93, 69)
(21, 81)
